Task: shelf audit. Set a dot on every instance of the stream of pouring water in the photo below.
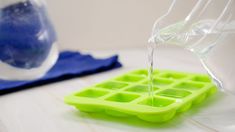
(151, 50)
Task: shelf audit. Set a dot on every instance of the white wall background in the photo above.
(106, 24)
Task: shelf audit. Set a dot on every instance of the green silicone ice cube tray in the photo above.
(127, 95)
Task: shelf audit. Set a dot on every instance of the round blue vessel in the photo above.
(26, 35)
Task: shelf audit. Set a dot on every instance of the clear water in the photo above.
(199, 39)
(151, 50)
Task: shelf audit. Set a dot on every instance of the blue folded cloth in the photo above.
(69, 65)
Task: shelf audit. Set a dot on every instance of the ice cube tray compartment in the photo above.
(140, 88)
(127, 95)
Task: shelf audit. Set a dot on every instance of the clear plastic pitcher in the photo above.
(27, 40)
(208, 30)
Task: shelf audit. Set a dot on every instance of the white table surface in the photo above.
(41, 109)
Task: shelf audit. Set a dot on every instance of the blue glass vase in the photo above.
(27, 40)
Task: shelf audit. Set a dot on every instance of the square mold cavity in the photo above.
(140, 72)
(140, 88)
(144, 72)
(201, 79)
(189, 86)
(91, 93)
(160, 82)
(156, 72)
(174, 93)
(112, 85)
(122, 97)
(173, 75)
(129, 78)
(156, 102)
